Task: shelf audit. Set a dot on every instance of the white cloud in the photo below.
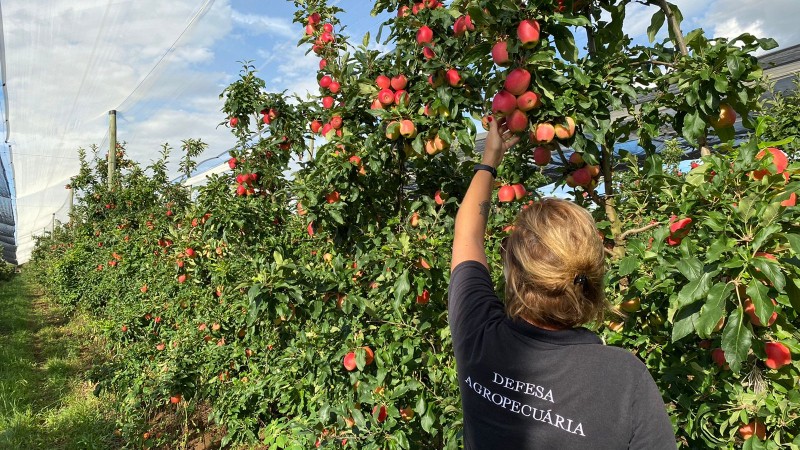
(260, 24)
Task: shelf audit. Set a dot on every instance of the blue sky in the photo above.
(162, 65)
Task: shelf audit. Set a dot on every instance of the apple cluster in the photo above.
(416, 8)
(510, 192)
(244, 184)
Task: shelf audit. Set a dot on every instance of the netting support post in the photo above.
(53, 224)
(112, 147)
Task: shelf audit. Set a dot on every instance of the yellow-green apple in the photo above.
(563, 131)
(408, 129)
(726, 117)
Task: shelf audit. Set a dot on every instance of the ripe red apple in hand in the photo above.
(504, 103)
(517, 121)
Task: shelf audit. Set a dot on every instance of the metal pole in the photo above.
(71, 202)
(53, 224)
(112, 147)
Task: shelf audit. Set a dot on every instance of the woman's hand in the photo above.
(498, 140)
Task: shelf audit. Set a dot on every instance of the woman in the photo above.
(530, 376)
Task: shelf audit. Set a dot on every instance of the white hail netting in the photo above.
(67, 63)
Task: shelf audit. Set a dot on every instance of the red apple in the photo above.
(369, 355)
(336, 122)
(528, 101)
(436, 79)
(528, 33)
(403, 11)
(506, 194)
(544, 133)
(350, 361)
(454, 78)
(726, 117)
(310, 30)
(576, 159)
(718, 356)
(325, 81)
(462, 25)
(334, 87)
(424, 298)
(399, 82)
(376, 104)
(234, 122)
(323, 63)
(750, 310)
(778, 355)
(517, 122)
(582, 177)
(504, 103)
(386, 96)
(779, 161)
(755, 427)
(791, 201)
(680, 228)
(328, 28)
(314, 19)
(383, 82)
(232, 163)
(428, 53)
(401, 97)
(326, 37)
(333, 197)
(315, 126)
(408, 129)
(414, 220)
(175, 399)
(500, 53)
(381, 412)
(424, 35)
(517, 81)
(519, 191)
(542, 156)
(327, 102)
(440, 198)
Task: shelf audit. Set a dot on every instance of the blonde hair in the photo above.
(554, 265)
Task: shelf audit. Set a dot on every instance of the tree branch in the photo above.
(638, 230)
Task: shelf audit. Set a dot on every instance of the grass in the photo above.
(45, 401)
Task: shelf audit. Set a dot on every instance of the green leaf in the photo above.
(692, 268)
(735, 66)
(759, 295)
(714, 309)
(754, 443)
(656, 22)
(685, 321)
(794, 242)
(694, 290)
(736, 340)
(427, 422)
(628, 265)
(770, 269)
(793, 291)
(764, 234)
(401, 288)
